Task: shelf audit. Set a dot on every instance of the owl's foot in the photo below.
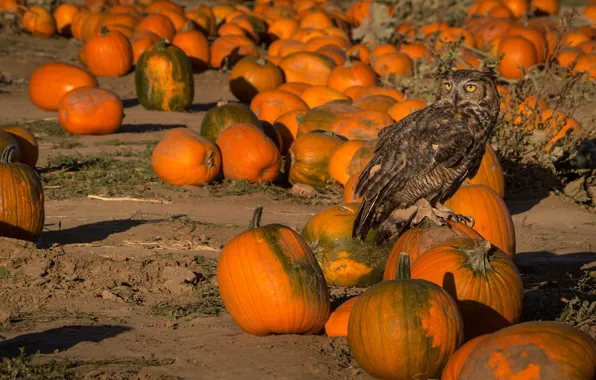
(395, 224)
(447, 213)
(425, 210)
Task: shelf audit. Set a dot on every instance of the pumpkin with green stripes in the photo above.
(270, 282)
(163, 78)
(404, 328)
(224, 115)
(345, 261)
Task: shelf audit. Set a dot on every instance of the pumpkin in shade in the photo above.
(533, 350)
(307, 67)
(457, 360)
(6, 140)
(64, 14)
(248, 154)
(91, 26)
(224, 115)
(309, 158)
(345, 261)
(287, 126)
(315, 96)
(340, 161)
(39, 22)
(163, 78)
(490, 172)
(270, 282)
(271, 104)
(26, 142)
(228, 50)
(320, 118)
(406, 314)
(381, 103)
(364, 125)
(109, 54)
(480, 277)
(252, 75)
(337, 324)
(91, 111)
(362, 157)
(21, 198)
(421, 238)
(49, 82)
(195, 45)
(159, 25)
(491, 216)
(352, 73)
(295, 88)
(349, 188)
(140, 41)
(183, 157)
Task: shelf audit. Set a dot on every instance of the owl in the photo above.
(422, 160)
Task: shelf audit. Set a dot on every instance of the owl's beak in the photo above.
(456, 98)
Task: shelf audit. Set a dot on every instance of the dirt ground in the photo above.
(121, 290)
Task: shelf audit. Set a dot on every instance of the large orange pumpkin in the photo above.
(183, 157)
(109, 54)
(337, 324)
(195, 46)
(140, 41)
(517, 52)
(382, 103)
(315, 96)
(352, 73)
(403, 109)
(489, 211)
(270, 282)
(340, 161)
(160, 25)
(252, 75)
(248, 154)
(39, 22)
(364, 125)
(457, 360)
(417, 327)
(49, 82)
(271, 104)
(398, 64)
(480, 277)
(321, 117)
(309, 158)
(490, 172)
(228, 50)
(27, 143)
(307, 67)
(91, 111)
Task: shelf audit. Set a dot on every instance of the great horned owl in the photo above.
(422, 160)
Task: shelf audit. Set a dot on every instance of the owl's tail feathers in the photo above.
(364, 219)
(397, 222)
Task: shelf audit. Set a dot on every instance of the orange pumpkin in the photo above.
(39, 22)
(27, 143)
(282, 29)
(307, 67)
(140, 41)
(364, 125)
(109, 54)
(397, 63)
(362, 157)
(359, 52)
(248, 154)
(416, 51)
(315, 96)
(517, 52)
(403, 109)
(381, 103)
(287, 126)
(90, 111)
(295, 299)
(357, 92)
(351, 74)
(49, 82)
(337, 54)
(309, 158)
(269, 105)
(548, 7)
(295, 88)
(453, 368)
(252, 75)
(195, 46)
(349, 196)
(337, 324)
(536, 36)
(183, 157)
(158, 24)
(490, 172)
(64, 15)
(321, 117)
(340, 160)
(228, 50)
(490, 213)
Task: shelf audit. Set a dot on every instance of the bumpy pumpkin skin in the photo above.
(163, 78)
(224, 115)
(457, 360)
(404, 329)
(22, 212)
(337, 324)
(533, 350)
(27, 144)
(310, 156)
(345, 261)
(270, 283)
(490, 172)
(482, 279)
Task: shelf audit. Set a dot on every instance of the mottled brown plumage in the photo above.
(428, 154)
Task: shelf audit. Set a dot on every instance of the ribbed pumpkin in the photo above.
(351, 74)
(481, 278)
(271, 104)
(225, 114)
(417, 327)
(419, 239)
(337, 324)
(159, 25)
(321, 117)
(252, 75)
(533, 350)
(49, 82)
(183, 157)
(91, 111)
(309, 158)
(270, 282)
(248, 154)
(457, 360)
(27, 143)
(345, 261)
(163, 78)
(39, 22)
(21, 199)
(490, 213)
(340, 161)
(195, 45)
(490, 172)
(109, 54)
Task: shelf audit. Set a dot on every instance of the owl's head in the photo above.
(464, 88)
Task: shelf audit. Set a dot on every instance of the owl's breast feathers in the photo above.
(426, 155)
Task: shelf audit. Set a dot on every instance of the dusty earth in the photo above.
(126, 290)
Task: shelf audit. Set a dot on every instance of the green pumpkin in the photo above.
(163, 78)
(225, 114)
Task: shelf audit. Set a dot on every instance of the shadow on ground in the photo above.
(143, 128)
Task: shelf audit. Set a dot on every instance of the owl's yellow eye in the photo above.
(447, 86)
(470, 88)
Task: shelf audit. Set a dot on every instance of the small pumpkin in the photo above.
(407, 313)
(195, 45)
(91, 111)
(248, 154)
(364, 125)
(224, 115)
(490, 214)
(320, 118)
(50, 81)
(345, 261)
(287, 125)
(352, 73)
(158, 24)
(309, 158)
(22, 212)
(315, 96)
(307, 67)
(362, 157)
(163, 78)
(140, 41)
(39, 22)
(282, 29)
(228, 50)
(271, 104)
(398, 64)
(27, 143)
(337, 324)
(380, 103)
(64, 15)
(480, 277)
(183, 157)
(340, 161)
(518, 53)
(282, 289)
(109, 54)
(403, 109)
(252, 75)
(490, 172)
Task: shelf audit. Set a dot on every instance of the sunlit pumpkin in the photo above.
(90, 111)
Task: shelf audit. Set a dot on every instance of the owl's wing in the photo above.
(402, 153)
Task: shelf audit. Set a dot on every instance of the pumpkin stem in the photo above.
(161, 45)
(7, 156)
(261, 61)
(256, 218)
(221, 102)
(478, 257)
(403, 267)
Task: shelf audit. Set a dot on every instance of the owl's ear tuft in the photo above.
(491, 74)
